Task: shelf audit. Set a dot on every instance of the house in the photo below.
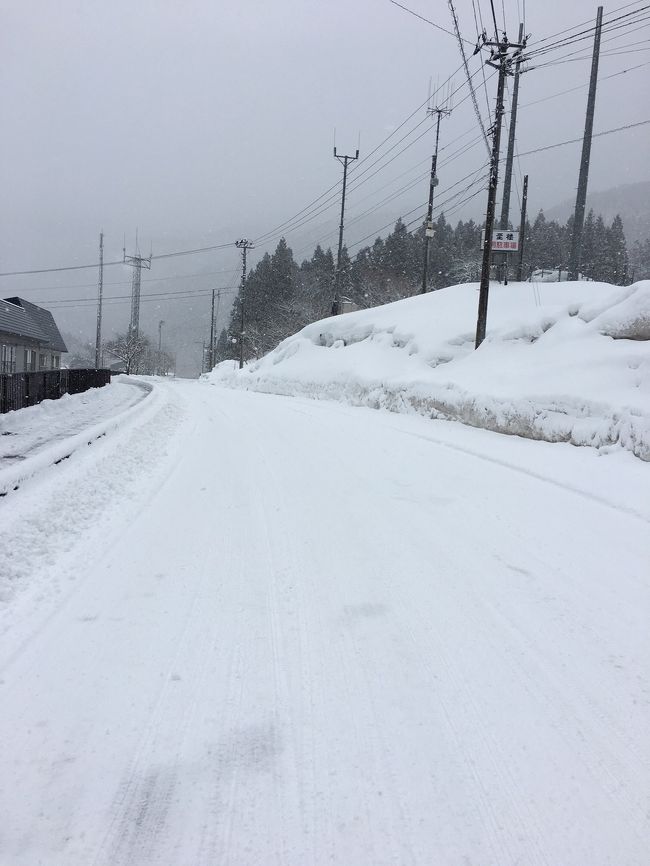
(29, 338)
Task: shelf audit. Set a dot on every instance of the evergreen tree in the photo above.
(223, 349)
(587, 258)
(640, 261)
(601, 269)
(617, 252)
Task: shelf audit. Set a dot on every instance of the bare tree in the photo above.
(132, 349)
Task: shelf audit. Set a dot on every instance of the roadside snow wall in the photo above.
(563, 362)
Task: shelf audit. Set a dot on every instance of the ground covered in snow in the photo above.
(564, 362)
(246, 629)
(31, 430)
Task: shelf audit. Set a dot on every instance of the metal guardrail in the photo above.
(18, 390)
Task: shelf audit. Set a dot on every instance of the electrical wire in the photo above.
(582, 86)
(575, 140)
(427, 20)
(74, 303)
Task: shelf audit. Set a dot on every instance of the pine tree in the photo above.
(587, 259)
(602, 267)
(617, 252)
(223, 348)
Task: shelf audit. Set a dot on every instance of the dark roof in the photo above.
(21, 317)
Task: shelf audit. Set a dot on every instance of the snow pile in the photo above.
(38, 437)
(565, 362)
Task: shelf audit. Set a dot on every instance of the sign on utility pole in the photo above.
(505, 242)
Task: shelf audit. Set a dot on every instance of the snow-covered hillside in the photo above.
(562, 361)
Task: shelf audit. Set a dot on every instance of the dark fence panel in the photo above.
(27, 389)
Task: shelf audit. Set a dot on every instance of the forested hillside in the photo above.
(281, 295)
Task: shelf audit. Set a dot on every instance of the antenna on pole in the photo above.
(344, 160)
(441, 110)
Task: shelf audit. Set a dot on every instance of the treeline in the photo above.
(281, 296)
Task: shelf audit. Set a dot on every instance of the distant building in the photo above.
(29, 338)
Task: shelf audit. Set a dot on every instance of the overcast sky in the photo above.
(202, 121)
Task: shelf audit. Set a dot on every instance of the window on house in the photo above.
(42, 361)
(30, 360)
(55, 362)
(7, 359)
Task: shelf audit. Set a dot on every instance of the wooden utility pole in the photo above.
(160, 324)
(510, 155)
(583, 177)
(100, 294)
(433, 182)
(500, 60)
(244, 245)
(211, 353)
(336, 306)
(522, 229)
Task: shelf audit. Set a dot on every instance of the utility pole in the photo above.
(244, 245)
(522, 229)
(137, 262)
(336, 306)
(100, 294)
(211, 354)
(500, 60)
(433, 183)
(583, 177)
(160, 324)
(510, 155)
(216, 319)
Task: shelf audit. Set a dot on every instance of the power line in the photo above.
(595, 135)
(582, 86)
(311, 212)
(587, 34)
(467, 75)
(117, 262)
(426, 20)
(72, 303)
(589, 30)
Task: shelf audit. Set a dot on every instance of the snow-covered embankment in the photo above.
(564, 362)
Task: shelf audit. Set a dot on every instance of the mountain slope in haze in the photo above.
(631, 201)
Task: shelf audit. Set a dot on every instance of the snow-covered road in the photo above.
(250, 630)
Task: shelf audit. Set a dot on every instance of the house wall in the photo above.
(13, 357)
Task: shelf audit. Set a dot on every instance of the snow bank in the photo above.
(563, 362)
(44, 435)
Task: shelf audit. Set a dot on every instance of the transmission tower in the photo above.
(137, 262)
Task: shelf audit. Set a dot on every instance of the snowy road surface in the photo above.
(248, 629)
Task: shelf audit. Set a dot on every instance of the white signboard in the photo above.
(508, 241)
(502, 240)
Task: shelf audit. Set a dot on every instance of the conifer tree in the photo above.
(617, 252)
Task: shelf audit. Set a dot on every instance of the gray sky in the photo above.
(199, 122)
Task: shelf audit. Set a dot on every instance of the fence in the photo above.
(18, 390)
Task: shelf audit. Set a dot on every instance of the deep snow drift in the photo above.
(563, 361)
